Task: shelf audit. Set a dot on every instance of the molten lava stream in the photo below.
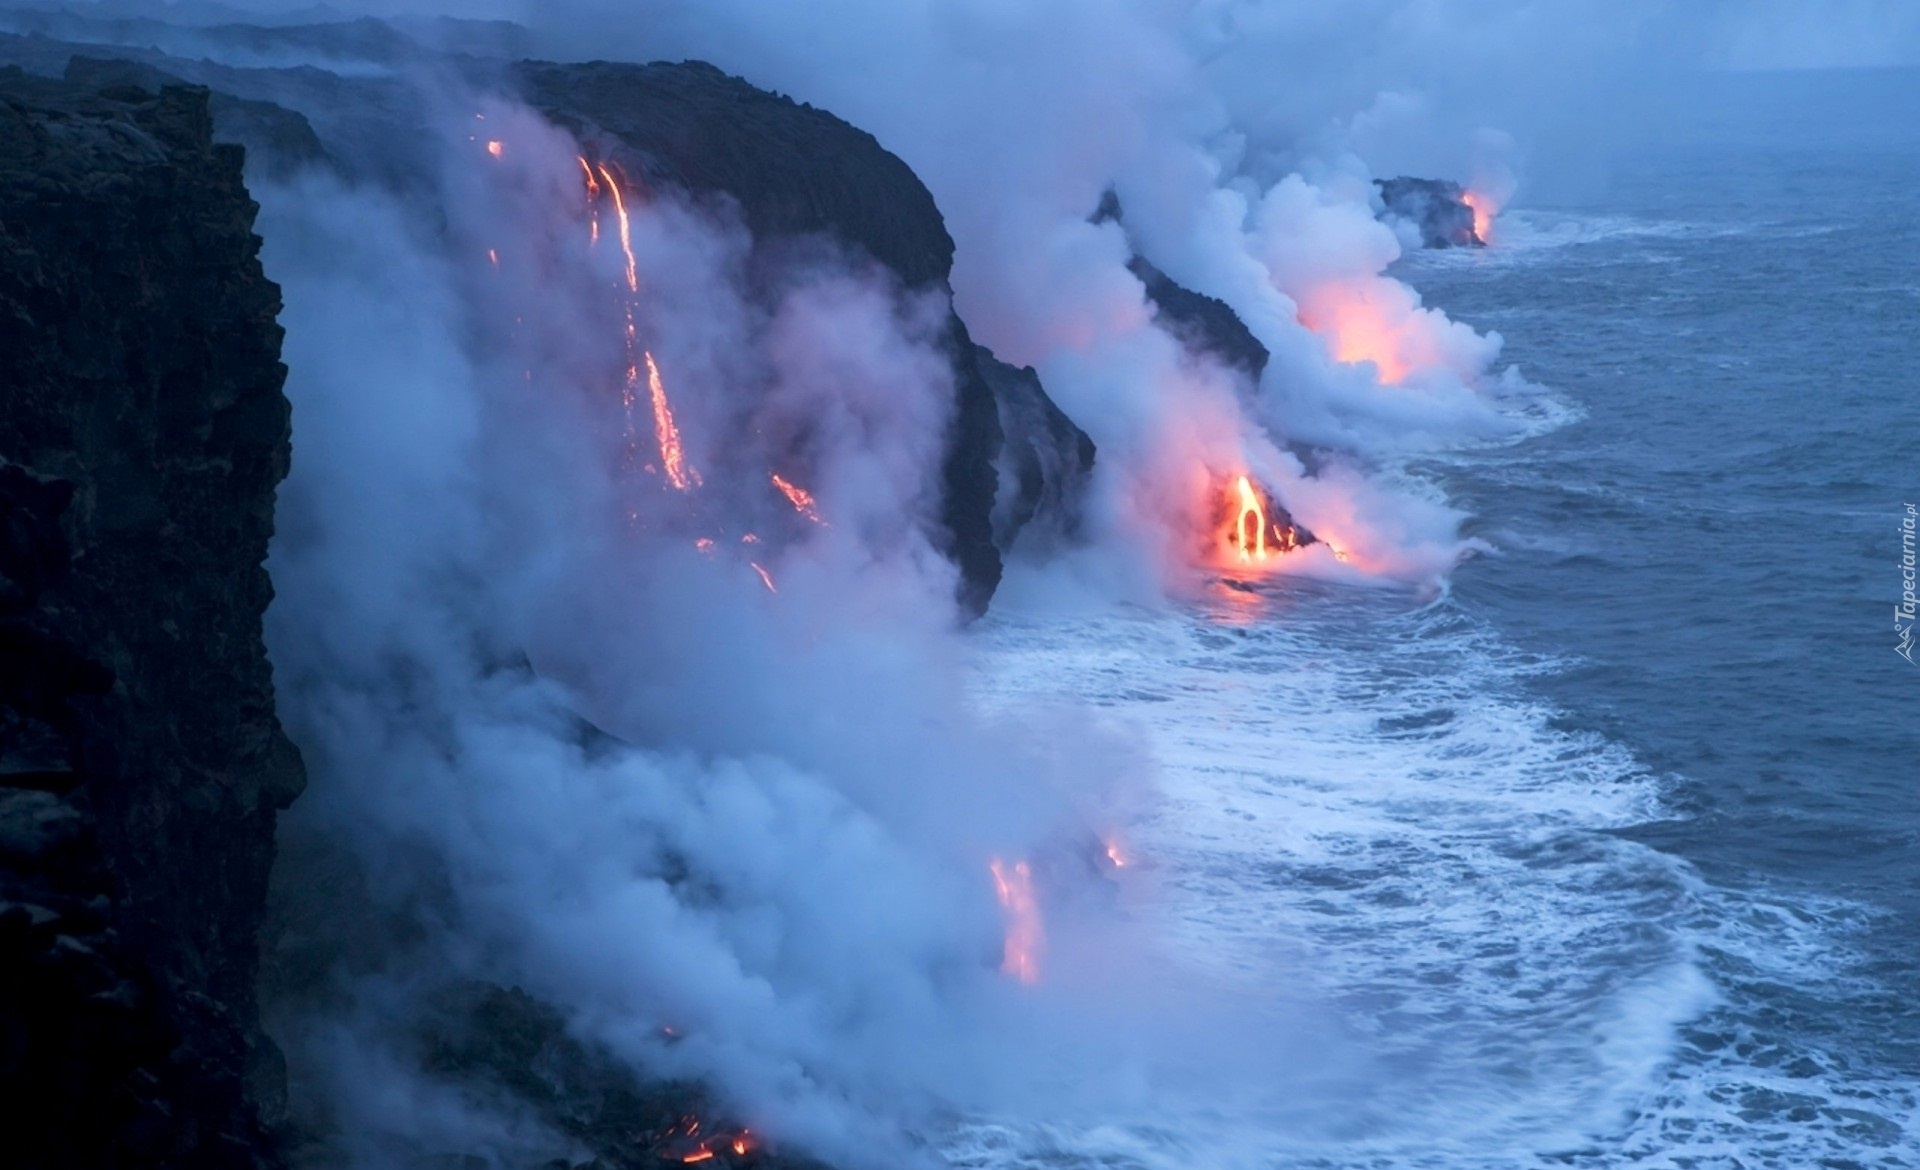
(680, 473)
(1247, 536)
(800, 498)
(666, 432)
(1249, 522)
(1020, 957)
(1484, 209)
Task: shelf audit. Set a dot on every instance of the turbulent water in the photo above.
(1606, 856)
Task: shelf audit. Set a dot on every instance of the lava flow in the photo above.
(1484, 209)
(799, 497)
(1244, 534)
(673, 460)
(1021, 955)
(683, 1142)
(679, 472)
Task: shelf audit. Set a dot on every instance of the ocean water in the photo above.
(1610, 856)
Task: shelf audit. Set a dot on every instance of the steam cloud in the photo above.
(569, 750)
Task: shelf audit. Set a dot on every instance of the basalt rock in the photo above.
(142, 433)
(1437, 209)
(1203, 323)
(1045, 461)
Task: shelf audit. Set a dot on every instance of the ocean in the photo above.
(1606, 856)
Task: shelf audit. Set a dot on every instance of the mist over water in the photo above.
(1543, 814)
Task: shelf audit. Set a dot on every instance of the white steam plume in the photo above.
(779, 845)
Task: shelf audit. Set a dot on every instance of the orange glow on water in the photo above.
(1021, 956)
(799, 497)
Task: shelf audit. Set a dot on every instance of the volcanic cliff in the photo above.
(142, 433)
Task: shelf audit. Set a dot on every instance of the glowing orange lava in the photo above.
(1021, 956)
(1484, 210)
(673, 458)
(1249, 523)
(799, 497)
(1115, 855)
(682, 1142)
(1245, 534)
(679, 472)
(626, 228)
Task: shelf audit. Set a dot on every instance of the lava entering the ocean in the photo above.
(1250, 529)
(1484, 209)
(1025, 936)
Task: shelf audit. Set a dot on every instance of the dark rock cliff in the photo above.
(1045, 462)
(1201, 322)
(794, 170)
(142, 433)
(1437, 208)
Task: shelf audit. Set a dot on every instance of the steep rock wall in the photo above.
(142, 433)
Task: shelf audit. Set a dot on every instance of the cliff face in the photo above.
(142, 433)
(791, 170)
(1046, 461)
(1201, 322)
(794, 170)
